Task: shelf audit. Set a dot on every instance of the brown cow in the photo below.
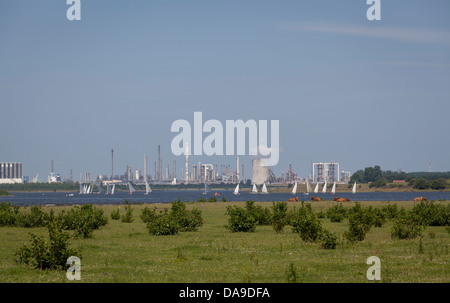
(420, 199)
(341, 199)
(315, 199)
(293, 199)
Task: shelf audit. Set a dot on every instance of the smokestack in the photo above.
(237, 168)
(187, 164)
(174, 174)
(145, 167)
(159, 163)
(112, 164)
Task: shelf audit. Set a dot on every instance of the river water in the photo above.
(58, 198)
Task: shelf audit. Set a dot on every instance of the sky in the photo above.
(344, 89)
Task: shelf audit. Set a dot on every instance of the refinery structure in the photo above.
(190, 173)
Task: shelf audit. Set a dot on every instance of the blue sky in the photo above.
(344, 89)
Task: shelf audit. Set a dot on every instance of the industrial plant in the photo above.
(190, 173)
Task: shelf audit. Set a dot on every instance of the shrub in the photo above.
(212, 199)
(328, 240)
(359, 226)
(390, 211)
(163, 225)
(306, 223)
(148, 215)
(262, 215)
(432, 214)
(407, 226)
(185, 219)
(336, 213)
(115, 214)
(51, 254)
(178, 219)
(240, 220)
(127, 217)
(279, 216)
(83, 220)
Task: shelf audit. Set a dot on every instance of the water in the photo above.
(23, 199)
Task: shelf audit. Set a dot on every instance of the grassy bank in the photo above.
(126, 252)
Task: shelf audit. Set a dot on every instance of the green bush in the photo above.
(127, 217)
(359, 225)
(115, 214)
(279, 216)
(336, 213)
(51, 254)
(306, 223)
(432, 214)
(328, 240)
(163, 225)
(148, 215)
(262, 215)
(390, 211)
(407, 226)
(83, 220)
(178, 219)
(12, 216)
(240, 220)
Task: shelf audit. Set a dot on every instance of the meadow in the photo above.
(127, 252)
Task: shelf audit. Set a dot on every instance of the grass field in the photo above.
(126, 252)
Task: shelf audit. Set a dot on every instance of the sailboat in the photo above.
(316, 189)
(236, 190)
(108, 189)
(294, 190)
(254, 190)
(333, 190)
(324, 190)
(112, 190)
(354, 188)
(206, 189)
(130, 188)
(308, 187)
(264, 189)
(147, 188)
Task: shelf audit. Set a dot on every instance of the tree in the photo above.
(438, 184)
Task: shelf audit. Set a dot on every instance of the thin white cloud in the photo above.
(412, 35)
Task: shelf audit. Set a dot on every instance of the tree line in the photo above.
(418, 180)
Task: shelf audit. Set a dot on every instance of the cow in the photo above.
(315, 199)
(341, 199)
(420, 199)
(293, 199)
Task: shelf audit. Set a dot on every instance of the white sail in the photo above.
(294, 190)
(333, 190)
(131, 188)
(147, 188)
(264, 189)
(316, 189)
(308, 186)
(206, 189)
(236, 190)
(354, 188)
(254, 190)
(324, 189)
(89, 191)
(108, 189)
(112, 190)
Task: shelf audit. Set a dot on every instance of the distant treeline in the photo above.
(434, 180)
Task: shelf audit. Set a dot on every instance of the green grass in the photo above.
(126, 252)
